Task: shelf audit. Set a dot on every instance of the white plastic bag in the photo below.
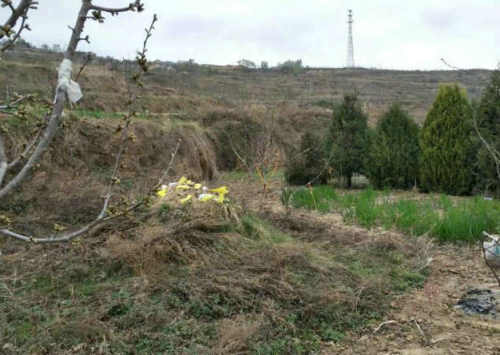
(64, 81)
(492, 249)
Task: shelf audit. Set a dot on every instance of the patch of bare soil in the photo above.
(424, 321)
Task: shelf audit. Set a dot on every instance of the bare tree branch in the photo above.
(142, 60)
(101, 218)
(10, 43)
(449, 65)
(235, 151)
(25, 153)
(43, 139)
(7, 30)
(494, 154)
(50, 131)
(57, 109)
(78, 29)
(141, 56)
(135, 6)
(10, 105)
(87, 61)
(3, 161)
(22, 8)
(8, 3)
(84, 39)
(169, 166)
(42, 146)
(61, 91)
(65, 237)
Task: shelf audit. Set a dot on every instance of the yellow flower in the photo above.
(161, 193)
(182, 180)
(58, 227)
(182, 187)
(222, 191)
(197, 186)
(5, 220)
(186, 199)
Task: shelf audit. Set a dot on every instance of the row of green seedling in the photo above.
(463, 220)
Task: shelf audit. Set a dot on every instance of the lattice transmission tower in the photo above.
(350, 44)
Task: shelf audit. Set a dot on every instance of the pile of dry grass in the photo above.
(275, 284)
(259, 283)
(68, 186)
(174, 234)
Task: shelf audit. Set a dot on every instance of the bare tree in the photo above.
(66, 90)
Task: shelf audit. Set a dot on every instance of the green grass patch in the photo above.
(447, 220)
(317, 198)
(97, 114)
(467, 220)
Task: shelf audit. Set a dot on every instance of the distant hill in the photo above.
(415, 90)
(35, 69)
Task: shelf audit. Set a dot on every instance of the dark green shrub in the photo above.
(446, 142)
(394, 151)
(308, 164)
(291, 66)
(488, 117)
(346, 142)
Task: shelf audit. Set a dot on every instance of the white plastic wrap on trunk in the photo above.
(492, 250)
(64, 81)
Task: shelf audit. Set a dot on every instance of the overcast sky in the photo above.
(391, 34)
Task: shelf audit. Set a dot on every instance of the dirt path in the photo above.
(425, 320)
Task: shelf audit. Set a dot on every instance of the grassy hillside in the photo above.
(415, 90)
(195, 90)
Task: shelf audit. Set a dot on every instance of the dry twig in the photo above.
(419, 328)
(383, 324)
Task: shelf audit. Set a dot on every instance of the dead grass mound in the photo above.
(273, 286)
(67, 188)
(193, 279)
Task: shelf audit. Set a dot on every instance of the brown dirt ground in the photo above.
(422, 322)
(443, 329)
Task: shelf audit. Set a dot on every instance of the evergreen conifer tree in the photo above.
(447, 146)
(393, 157)
(488, 117)
(346, 142)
